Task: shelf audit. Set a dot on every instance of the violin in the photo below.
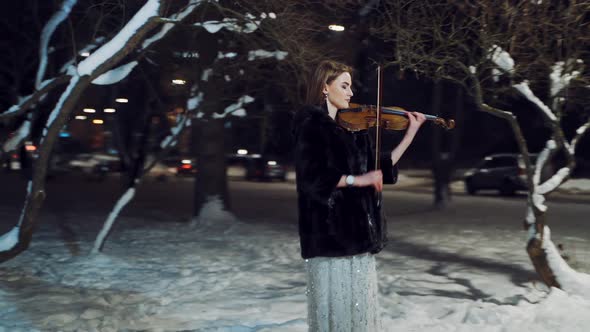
(361, 117)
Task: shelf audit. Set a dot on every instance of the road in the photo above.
(71, 198)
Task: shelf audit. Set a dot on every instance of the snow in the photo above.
(206, 73)
(229, 24)
(227, 275)
(9, 239)
(235, 108)
(121, 203)
(554, 181)
(21, 134)
(108, 50)
(572, 281)
(526, 91)
(46, 34)
(228, 55)
(560, 80)
(58, 106)
(115, 75)
(502, 59)
(263, 54)
(168, 26)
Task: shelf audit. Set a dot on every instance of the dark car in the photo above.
(264, 169)
(502, 172)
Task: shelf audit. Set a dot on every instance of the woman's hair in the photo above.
(326, 72)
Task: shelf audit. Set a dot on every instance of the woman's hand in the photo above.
(416, 120)
(370, 179)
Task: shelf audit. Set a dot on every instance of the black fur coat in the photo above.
(336, 222)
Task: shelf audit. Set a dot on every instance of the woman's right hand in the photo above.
(370, 179)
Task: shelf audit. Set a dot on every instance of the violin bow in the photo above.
(378, 125)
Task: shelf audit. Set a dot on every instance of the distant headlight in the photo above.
(271, 162)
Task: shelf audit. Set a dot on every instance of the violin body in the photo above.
(362, 117)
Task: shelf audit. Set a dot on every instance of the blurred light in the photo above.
(256, 155)
(178, 82)
(122, 100)
(97, 121)
(30, 147)
(85, 54)
(186, 161)
(186, 166)
(242, 151)
(271, 162)
(109, 110)
(80, 117)
(64, 134)
(336, 27)
(89, 110)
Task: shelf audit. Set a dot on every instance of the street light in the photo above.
(178, 82)
(97, 121)
(109, 110)
(122, 100)
(85, 54)
(89, 110)
(242, 151)
(80, 117)
(336, 27)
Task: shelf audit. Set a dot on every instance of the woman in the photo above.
(340, 221)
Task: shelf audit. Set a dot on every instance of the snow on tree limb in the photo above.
(579, 133)
(9, 239)
(46, 34)
(235, 108)
(502, 58)
(526, 91)
(570, 280)
(542, 159)
(59, 105)
(23, 132)
(30, 100)
(263, 54)
(554, 182)
(166, 28)
(559, 79)
(121, 203)
(107, 51)
(115, 75)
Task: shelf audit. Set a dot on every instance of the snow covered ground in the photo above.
(227, 275)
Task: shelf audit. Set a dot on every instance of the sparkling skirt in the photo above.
(342, 294)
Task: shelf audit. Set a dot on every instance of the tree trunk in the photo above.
(539, 258)
(440, 158)
(211, 179)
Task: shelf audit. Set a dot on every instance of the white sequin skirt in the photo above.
(342, 294)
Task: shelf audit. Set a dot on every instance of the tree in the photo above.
(496, 51)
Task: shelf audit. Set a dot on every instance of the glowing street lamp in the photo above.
(242, 151)
(80, 117)
(336, 27)
(109, 110)
(97, 121)
(122, 100)
(89, 110)
(178, 82)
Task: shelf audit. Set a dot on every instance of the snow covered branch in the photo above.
(46, 34)
(29, 101)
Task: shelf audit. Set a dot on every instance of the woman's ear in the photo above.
(325, 91)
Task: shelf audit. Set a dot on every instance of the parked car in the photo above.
(95, 165)
(172, 167)
(503, 172)
(264, 169)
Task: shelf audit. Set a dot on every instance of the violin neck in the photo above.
(399, 112)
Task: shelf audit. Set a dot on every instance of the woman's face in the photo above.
(339, 91)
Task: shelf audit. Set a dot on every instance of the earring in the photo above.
(326, 95)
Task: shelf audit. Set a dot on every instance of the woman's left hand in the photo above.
(416, 120)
